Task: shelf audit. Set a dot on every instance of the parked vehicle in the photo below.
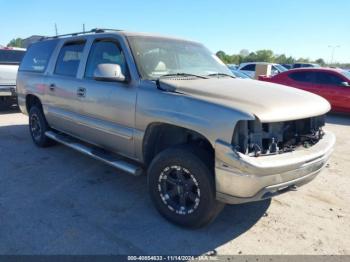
(303, 65)
(9, 60)
(332, 84)
(287, 66)
(169, 108)
(249, 68)
(239, 74)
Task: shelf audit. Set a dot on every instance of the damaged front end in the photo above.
(292, 154)
(254, 138)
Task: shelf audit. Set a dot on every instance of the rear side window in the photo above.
(307, 77)
(69, 58)
(250, 67)
(37, 56)
(11, 56)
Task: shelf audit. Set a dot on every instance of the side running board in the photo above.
(99, 154)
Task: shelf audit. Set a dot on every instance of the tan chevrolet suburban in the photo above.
(170, 109)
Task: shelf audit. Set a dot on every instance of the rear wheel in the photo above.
(182, 187)
(38, 126)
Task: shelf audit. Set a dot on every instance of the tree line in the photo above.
(266, 55)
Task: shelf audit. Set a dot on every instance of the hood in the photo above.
(8, 74)
(267, 101)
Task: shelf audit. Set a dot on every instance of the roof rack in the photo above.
(95, 30)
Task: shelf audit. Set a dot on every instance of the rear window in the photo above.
(11, 56)
(38, 56)
(69, 58)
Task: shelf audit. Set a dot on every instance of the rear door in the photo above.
(64, 108)
(109, 107)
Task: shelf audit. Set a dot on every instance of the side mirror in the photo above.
(345, 84)
(109, 72)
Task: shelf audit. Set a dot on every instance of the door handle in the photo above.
(52, 87)
(81, 92)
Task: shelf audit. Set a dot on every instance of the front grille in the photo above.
(255, 138)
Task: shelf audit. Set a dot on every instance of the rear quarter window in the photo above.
(37, 56)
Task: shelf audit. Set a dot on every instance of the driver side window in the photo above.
(104, 52)
(325, 78)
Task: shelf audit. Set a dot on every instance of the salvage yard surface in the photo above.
(57, 201)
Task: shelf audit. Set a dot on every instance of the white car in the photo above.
(10, 59)
(249, 68)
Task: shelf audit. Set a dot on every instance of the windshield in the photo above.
(156, 56)
(345, 73)
(11, 56)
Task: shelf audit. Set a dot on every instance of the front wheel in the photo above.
(182, 187)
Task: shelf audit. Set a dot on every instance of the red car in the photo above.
(332, 84)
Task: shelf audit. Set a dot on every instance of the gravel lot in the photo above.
(57, 201)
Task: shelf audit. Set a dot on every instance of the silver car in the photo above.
(170, 109)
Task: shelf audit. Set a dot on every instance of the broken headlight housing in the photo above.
(255, 138)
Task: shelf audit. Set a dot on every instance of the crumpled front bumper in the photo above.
(240, 178)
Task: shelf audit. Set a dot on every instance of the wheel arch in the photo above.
(160, 136)
(32, 100)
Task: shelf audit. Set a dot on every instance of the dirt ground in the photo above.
(57, 201)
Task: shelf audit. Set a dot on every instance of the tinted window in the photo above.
(11, 56)
(302, 76)
(69, 58)
(104, 52)
(38, 56)
(250, 67)
(328, 78)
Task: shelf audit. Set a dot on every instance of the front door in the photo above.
(109, 107)
(330, 87)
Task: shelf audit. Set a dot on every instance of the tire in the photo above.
(38, 126)
(182, 187)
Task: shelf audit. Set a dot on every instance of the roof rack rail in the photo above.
(95, 30)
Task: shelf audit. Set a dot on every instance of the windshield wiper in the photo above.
(221, 74)
(183, 74)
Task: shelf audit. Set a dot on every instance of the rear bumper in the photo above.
(8, 90)
(240, 178)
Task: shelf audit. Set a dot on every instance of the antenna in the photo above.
(56, 31)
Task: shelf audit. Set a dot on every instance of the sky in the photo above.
(301, 28)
